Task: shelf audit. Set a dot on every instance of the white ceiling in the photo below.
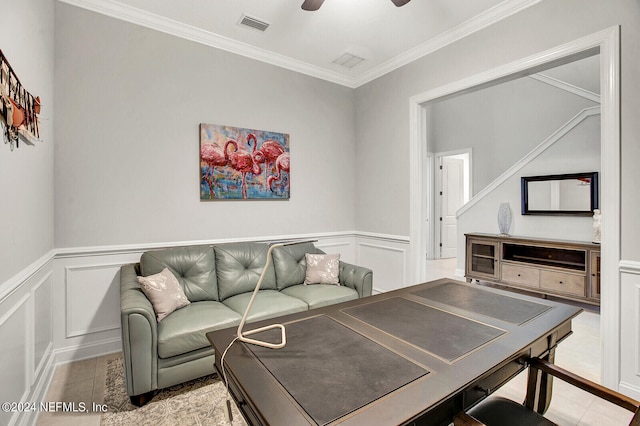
(387, 37)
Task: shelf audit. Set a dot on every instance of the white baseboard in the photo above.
(92, 350)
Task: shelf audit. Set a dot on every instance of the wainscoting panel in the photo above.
(388, 258)
(630, 329)
(86, 302)
(26, 338)
(92, 298)
(14, 336)
(343, 246)
(43, 324)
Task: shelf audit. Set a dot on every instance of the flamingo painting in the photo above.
(282, 165)
(238, 163)
(213, 156)
(268, 153)
(242, 161)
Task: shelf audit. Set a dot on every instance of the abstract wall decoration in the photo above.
(19, 109)
(243, 164)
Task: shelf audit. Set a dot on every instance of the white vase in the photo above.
(504, 219)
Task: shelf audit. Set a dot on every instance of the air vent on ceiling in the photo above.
(252, 22)
(348, 60)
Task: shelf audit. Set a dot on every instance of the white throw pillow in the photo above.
(164, 292)
(322, 268)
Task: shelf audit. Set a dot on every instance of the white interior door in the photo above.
(452, 198)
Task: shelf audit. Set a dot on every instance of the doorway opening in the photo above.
(606, 43)
(453, 190)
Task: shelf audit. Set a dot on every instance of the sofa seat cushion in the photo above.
(268, 304)
(318, 295)
(184, 330)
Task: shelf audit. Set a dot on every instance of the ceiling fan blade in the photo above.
(312, 4)
(400, 2)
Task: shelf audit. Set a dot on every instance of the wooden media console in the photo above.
(568, 269)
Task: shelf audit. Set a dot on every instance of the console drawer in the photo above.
(520, 275)
(562, 282)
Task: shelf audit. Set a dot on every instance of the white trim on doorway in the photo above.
(607, 42)
(466, 155)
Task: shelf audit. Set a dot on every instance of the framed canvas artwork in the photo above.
(238, 163)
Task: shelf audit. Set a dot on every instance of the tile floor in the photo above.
(80, 381)
(84, 380)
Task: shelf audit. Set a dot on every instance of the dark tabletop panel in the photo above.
(438, 332)
(330, 370)
(505, 308)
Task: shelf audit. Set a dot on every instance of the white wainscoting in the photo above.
(26, 333)
(388, 257)
(87, 302)
(66, 307)
(630, 328)
(86, 299)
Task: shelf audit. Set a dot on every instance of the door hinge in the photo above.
(440, 244)
(440, 219)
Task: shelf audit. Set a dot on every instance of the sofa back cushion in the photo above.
(290, 264)
(193, 266)
(239, 266)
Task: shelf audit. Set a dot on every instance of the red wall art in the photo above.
(238, 163)
(19, 109)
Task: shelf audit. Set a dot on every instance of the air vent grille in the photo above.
(252, 22)
(348, 60)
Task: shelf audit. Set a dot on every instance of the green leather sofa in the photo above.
(218, 281)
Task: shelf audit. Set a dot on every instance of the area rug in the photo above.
(197, 402)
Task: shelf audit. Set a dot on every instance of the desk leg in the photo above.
(540, 384)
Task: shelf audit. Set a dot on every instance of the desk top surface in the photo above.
(389, 357)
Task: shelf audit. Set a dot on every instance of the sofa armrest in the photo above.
(357, 278)
(139, 335)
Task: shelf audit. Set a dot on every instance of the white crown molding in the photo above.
(169, 26)
(137, 16)
(485, 19)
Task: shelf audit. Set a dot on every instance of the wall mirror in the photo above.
(566, 194)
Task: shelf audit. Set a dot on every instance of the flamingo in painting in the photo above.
(213, 156)
(268, 153)
(282, 165)
(242, 161)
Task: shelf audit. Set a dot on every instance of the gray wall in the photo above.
(578, 151)
(383, 115)
(26, 174)
(128, 142)
(501, 123)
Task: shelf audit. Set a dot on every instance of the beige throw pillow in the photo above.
(322, 268)
(164, 292)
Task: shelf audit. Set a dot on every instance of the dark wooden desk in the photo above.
(417, 355)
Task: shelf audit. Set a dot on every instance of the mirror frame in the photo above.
(524, 182)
